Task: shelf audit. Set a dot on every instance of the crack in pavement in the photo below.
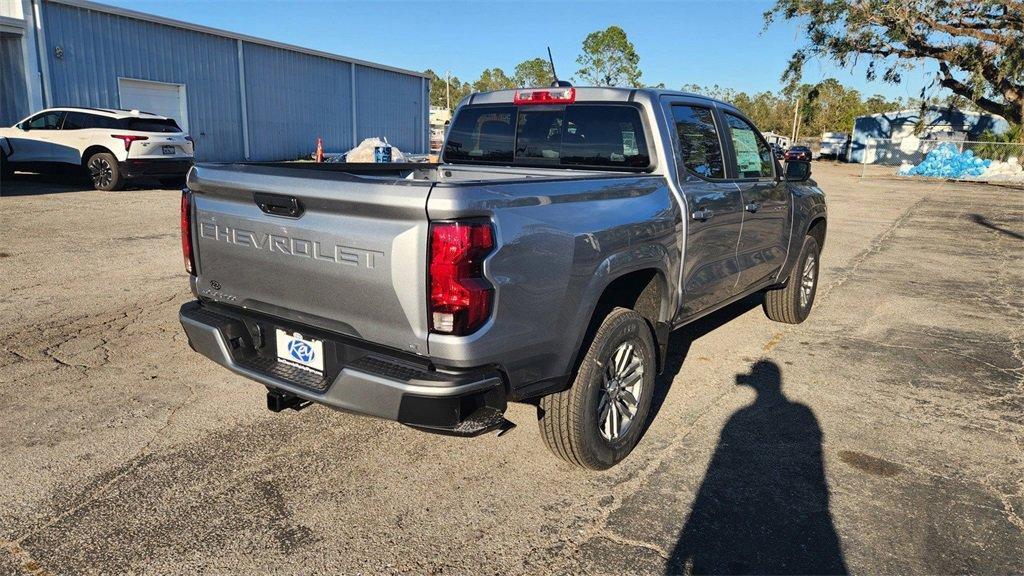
(25, 558)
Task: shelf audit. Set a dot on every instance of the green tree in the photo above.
(493, 79)
(977, 44)
(440, 93)
(533, 73)
(609, 59)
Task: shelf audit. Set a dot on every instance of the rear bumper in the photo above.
(364, 379)
(133, 167)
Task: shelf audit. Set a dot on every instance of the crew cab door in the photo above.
(710, 269)
(764, 239)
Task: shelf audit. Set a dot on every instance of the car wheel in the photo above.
(792, 303)
(103, 172)
(598, 420)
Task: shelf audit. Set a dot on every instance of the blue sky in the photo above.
(709, 42)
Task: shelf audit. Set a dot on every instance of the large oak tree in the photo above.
(977, 44)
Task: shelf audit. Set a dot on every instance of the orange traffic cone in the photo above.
(319, 149)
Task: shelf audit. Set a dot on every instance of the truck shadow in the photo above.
(763, 506)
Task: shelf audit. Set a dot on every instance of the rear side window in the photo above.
(698, 140)
(150, 125)
(79, 121)
(753, 156)
(578, 136)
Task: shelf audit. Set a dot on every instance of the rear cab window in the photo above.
(605, 136)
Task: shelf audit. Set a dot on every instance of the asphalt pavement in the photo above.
(883, 435)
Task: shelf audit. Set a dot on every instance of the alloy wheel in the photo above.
(623, 380)
(807, 280)
(101, 172)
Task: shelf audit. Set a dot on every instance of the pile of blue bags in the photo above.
(946, 162)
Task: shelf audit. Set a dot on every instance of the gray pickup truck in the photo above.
(565, 233)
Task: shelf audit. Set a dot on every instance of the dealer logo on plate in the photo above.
(301, 351)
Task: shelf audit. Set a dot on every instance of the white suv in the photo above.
(111, 145)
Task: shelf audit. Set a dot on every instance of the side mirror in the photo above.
(23, 126)
(797, 171)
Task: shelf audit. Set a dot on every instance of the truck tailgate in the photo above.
(353, 260)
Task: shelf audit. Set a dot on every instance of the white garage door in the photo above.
(155, 97)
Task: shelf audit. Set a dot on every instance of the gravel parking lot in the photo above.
(885, 434)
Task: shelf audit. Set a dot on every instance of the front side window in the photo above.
(753, 156)
(46, 121)
(698, 141)
(576, 135)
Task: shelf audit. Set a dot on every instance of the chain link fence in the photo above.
(942, 158)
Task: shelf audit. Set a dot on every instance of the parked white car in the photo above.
(111, 146)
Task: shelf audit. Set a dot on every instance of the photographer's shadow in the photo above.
(763, 507)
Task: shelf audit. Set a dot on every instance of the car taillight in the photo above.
(128, 139)
(186, 231)
(545, 96)
(460, 296)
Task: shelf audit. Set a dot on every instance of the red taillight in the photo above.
(460, 296)
(546, 96)
(186, 231)
(128, 139)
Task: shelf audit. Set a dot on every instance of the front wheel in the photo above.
(104, 172)
(792, 303)
(598, 420)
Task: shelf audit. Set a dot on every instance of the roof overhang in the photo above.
(117, 11)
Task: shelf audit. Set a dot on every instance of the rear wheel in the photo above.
(792, 303)
(598, 421)
(103, 172)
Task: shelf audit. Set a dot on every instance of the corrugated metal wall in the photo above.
(291, 97)
(98, 48)
(13, 94)
(392, 105)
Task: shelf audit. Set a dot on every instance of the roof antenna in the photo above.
(556, 83)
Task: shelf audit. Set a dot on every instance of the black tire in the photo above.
(569, 420)
(790, 304)
(104, 172)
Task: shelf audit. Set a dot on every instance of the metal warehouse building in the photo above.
(239, 97)
(876, 136)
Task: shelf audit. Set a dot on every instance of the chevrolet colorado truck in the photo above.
(564, 234)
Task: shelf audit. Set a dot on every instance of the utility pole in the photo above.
(448, 90)
(796, 119)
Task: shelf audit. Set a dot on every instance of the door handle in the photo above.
(278, 205)
(703, 214)
(752, 207)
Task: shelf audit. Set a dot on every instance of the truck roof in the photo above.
(593, 93)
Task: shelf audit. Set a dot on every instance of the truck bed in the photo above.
(351, 258)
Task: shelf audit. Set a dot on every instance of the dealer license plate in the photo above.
(168, 149)
(301, 351)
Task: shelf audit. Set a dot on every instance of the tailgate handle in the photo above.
(278, 204)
